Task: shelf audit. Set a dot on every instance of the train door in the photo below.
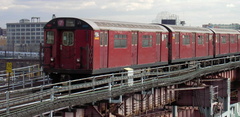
(224, 44)
(177, 45)
(158, 46)
(164, 47)
(194, 45)
(134, 48)
(233, 43)
(217, 44)
(185, 48)
(67, 49)
(104, 49)
(50, 37)
(207, 44)
(210, 45)
(238, 41)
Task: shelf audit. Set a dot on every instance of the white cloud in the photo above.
(230, 5)
(59, 5)
(194, 12)
(126, 5)
(9, 4)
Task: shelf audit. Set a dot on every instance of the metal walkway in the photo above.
(45, 98)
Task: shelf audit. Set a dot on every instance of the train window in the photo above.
(50, 37)
(217, 38)
(165, 37)
(186, 40)
(103, 38)
(200, 39)
(233, 39)
(207, 38)
(193, 37)
(134, 38)
(224, 39)
(68, 38)
(238, 37)
(210, 37)
(176, 36)
(147, 41)
(120, 41)
(158, 38)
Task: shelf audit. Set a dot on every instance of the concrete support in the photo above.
(79, 113)
(68, 114)
(227, 99)
(175, 111)
(238, 95)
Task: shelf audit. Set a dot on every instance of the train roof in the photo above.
(118, 25)
(108, 25)
(175, 28)
(225, 31)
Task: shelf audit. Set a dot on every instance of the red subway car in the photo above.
(82, 46)
(76, 47)
(190, 43)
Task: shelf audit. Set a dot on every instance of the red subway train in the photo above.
(79, 47)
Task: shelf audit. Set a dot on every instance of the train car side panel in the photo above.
(185, 46)
(96, 50)
(134, 47)
(119, 49)
(201, 49)
(193, 37)
(104, 48)
(233, 43)
(165, 47)
(217, 44)
(146, 48)
(175, 45)
(210, 45)
(224, 44)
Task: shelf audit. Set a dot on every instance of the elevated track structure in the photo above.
(202, 88)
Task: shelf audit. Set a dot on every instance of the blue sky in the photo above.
(194, 12)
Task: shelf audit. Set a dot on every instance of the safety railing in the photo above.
(22, 77)
(144, 78)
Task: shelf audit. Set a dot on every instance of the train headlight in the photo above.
(78, 60)
(52, 59)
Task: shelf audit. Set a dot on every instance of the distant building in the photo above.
(3, 42)
(26, 35)
(168, 18)
(2, 31)
(235, 26)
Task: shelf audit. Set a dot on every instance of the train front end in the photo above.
(66, 48)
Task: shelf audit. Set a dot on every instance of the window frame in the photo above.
(158, 39)
(52, 36)
(224, 39)
(177, 37)
(134, 38)
(68, 40)
(233, 39)
(200, 39)
(147, 41)
(120, 41)
(186, 39)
